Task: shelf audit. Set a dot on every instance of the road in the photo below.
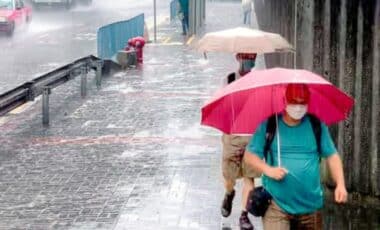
(58, 36)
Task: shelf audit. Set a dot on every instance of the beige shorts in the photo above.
(231, 169)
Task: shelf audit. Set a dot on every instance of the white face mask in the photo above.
(296, 111)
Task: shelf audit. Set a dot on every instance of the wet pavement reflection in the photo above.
(131, 155)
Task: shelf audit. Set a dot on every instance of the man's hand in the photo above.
(277, 173)
(336, 168)
(340, 194)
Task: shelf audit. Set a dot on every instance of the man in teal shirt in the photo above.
(295, 184)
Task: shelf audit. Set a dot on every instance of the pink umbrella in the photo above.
(242, 105)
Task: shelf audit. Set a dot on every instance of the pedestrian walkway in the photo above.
(130, 156)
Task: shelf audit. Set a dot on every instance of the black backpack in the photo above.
(271, 129)
(231, 77)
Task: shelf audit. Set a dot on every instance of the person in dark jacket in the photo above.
(183, 14)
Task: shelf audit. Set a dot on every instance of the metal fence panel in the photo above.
(114, 37)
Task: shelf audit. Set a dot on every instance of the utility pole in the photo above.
(155, 20)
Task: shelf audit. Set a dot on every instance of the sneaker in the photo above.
(244, 222)
(227, 203)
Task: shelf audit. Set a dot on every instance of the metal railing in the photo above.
(111, 38)
(44, 84)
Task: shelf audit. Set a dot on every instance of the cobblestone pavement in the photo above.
(131, 155)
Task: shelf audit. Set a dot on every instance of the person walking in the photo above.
(295, 184)
(247, 6)
(246, 61)
(233, 168)
(183, 15)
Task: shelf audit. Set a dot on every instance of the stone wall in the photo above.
(339, 39)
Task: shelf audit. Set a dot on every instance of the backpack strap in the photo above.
(317, 129)
(269, 135)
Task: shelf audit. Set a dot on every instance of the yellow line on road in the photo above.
(19, 109)
(167, 40)
(190, 40)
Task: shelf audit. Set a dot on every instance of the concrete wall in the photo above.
(197, 16)
(339, 39)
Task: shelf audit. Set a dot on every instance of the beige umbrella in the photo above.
(243, 40)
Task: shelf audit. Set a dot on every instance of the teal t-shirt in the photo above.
(300, 191)
(184, 4)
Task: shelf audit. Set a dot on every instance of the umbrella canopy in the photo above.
(242, 105)
(243, 40)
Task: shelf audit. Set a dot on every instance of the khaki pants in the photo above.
(276, 219)
(233, 166)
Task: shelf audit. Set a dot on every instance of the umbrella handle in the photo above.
(278, 142)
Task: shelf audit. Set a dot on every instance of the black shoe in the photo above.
(244, 222)
(227, 203)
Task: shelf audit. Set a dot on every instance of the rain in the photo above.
(114, 146)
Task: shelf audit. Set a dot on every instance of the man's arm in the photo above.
(260, 166)
(336, 169)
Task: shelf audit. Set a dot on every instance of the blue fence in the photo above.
(173, 9)
(113, 37)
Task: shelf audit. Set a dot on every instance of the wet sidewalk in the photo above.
(130, 156)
